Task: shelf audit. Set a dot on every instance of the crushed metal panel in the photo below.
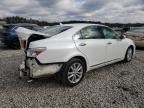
(41, 70)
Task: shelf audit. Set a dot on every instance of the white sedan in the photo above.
(71, 50)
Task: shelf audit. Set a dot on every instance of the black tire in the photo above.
(127, 59)
(65, 70)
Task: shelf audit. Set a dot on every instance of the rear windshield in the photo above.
(54, 30)
(37, 28)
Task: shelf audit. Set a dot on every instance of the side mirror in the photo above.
(122, 36)
(76, 36)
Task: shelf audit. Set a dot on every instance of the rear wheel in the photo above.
(129, 54)
(73, 72)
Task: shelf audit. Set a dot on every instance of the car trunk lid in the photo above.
(26, 36)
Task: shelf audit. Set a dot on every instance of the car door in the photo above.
(91, 43)
(115, 47)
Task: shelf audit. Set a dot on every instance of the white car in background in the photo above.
(71, 50)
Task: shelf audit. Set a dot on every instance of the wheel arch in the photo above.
(82, 59)
(133, 48)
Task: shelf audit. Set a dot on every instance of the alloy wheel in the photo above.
(75, 72)
(129, 54)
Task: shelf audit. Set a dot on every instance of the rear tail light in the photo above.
(34, 52)
(22, 43)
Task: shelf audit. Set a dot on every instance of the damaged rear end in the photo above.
(31, 66)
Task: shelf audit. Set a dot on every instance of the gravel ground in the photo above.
(119, 85)
(7, 53)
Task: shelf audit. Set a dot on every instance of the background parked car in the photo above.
(137, 35)
(9, 36)
(1, 28)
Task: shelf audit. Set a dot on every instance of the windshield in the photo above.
(54, 30)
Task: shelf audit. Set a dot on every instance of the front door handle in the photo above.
(109, 43)
(82, 44)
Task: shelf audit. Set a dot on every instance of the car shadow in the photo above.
(49, 82)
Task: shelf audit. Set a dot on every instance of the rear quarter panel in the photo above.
(58, 50)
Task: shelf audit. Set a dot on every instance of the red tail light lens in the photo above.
(33, 52)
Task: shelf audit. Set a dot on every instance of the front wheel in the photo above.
(73, 72)
(129, 54)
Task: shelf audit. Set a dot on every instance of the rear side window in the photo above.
(91, 32)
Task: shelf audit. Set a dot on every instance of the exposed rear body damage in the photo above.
(35, 70)
(26, 36)
(31, 66)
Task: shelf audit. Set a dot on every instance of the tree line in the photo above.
(17, 19)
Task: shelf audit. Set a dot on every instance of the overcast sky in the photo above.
(124, 11)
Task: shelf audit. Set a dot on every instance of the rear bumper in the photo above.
(32, 69)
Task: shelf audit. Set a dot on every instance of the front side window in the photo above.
(109, 34)
(91, 32)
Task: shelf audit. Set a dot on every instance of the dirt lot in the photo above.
(119, 85)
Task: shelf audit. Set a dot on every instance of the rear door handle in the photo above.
(82, 44)
(109, 43)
